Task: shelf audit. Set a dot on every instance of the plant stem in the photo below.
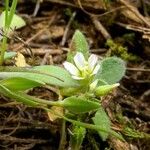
(63, 136)
(8, 19)
(3, 48)
(4, 40)
(12, 11)
(6, 13)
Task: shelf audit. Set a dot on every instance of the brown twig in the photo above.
(37, 7)
(138, 69)
(100, 28)
(19, 140)
(37, 34)
(40, 51)
(135, 11)
(64, 38)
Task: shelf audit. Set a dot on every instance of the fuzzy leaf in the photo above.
(79, 104)
(19, 83)
(112, 70)
(103, 121)
(78, 44)
(51, 76)
(59, 73)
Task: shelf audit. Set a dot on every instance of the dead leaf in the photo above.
(130, 15)
(56, 31)
(20, 60)
(56, 110)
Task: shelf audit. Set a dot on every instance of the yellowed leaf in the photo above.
(20, 60)
(56, 110)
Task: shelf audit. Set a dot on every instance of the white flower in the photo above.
(82, 68)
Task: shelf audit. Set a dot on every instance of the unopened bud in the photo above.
(93, 85)
(105, 89)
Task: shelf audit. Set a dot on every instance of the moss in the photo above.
(120, 51)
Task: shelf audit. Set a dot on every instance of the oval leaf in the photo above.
(19, 83)
(79, 104)
(112, 70)
(103, 121)
(78, 44)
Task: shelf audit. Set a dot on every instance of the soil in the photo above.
(45, 40)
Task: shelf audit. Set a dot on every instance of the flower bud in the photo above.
(105, 89)
(93, 85)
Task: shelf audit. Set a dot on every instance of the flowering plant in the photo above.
(79, 86)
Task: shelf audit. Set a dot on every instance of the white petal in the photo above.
(79, 60)
(92, 61)
(96, 69)
(71, 68)
(77, 78)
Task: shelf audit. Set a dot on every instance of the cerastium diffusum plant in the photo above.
(8, 22)
(80, 84)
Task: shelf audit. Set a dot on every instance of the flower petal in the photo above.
(92, 61)
(79, 60)
(97, 67)
(71, 68)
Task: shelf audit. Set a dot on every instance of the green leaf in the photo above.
(6, 92)
(59, 73)
(43, 76)
(19, 83)
(16, 23)
(112, 70)
(103, 121)
(33, 76)
(78, 44)
(79, 104)
(9, 55)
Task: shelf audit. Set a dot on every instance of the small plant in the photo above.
(80, 85)
(8, 22)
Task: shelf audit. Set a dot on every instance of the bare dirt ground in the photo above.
(45, 40)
